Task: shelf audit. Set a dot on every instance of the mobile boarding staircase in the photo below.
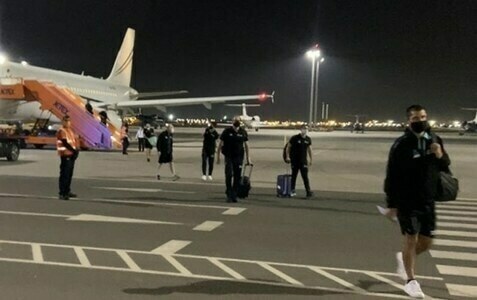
(60, 102)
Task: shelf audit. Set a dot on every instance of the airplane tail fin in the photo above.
(122, 68)
(244, 107)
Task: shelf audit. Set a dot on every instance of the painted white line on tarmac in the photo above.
(208, 226)
(171, 247)
(234, 211)
(461, 203)
(280, 274)
(152, 203)
(455, 233)
(100, 218)
(385, 280)
(128, 261)
(226, 269)
(456, 207)
(456, 212)
(37, 254)
(467, 199)
(26, 213)
(460, 290)
(83, 259)
(208, 277)
(456, 225)
(458, 271)
(453, 218)
(337, 280)
(224, 259)
(142, 190)
(455, 243)
(89, 218)
(453, 255)
(177, 265)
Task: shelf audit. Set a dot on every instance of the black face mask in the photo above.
(236, 124)
(419, 126)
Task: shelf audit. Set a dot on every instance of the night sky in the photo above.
(381, 56)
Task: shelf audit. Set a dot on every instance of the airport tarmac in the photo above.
(129, 236)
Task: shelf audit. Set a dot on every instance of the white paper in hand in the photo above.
(384, 212)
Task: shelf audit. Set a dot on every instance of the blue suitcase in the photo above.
(284, 185)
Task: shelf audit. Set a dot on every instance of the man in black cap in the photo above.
(233, 145)
(297, 151)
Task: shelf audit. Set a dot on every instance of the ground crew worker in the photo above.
(411, 187)
(125, 137)
(208, 151)
(233, 145)
(67, 145)
(165, 147)
(297, 150)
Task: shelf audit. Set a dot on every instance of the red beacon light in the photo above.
(262, 97)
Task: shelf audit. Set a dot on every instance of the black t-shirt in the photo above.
(164, 142)
(210, 136)
(233, 142)
(299, 148)
(148, 132)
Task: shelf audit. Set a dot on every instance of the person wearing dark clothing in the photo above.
(104, 117)
(411, 187)
(234, 146)
(297, 151)
(89, 107)
(67, 146)
(165, 147)
(149, 140)
(208, 151)
(125, 137)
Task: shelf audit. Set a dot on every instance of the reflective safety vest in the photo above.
(70, 138)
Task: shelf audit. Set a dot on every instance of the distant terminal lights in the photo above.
(293, 124)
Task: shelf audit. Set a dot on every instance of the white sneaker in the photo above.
(400, 270)
(209, 178)
(413, 289)
(204, 178)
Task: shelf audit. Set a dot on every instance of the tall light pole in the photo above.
(316, 105)
(315, 55)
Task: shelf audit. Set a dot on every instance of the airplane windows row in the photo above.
(94, 92)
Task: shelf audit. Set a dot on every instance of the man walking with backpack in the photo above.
(411, 187)
(297, 151)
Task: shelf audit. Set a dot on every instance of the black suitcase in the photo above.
(244, 184)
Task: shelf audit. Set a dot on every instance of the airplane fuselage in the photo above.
(99, 91)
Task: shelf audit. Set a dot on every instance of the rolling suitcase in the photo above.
(244, 184)
(284, 185)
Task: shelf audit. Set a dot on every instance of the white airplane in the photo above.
(111, 94)
(469, 126)
(252, 122)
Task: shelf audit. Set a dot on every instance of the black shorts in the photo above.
(147, 144)
(165, 158)
(416, 222)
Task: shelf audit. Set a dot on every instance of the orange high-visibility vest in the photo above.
(70, 138)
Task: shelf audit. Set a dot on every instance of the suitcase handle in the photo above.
(244, 167)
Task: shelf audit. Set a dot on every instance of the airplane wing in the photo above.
(162, 104)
